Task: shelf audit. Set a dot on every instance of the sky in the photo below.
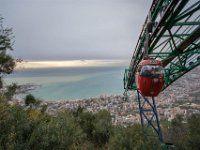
(70, 63)
(74, 29)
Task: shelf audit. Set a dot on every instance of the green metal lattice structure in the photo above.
(174, 40)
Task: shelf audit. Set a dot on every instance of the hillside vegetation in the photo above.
(30, 128)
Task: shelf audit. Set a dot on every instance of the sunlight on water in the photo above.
(46, 80)
(71, 83)
(70, 63)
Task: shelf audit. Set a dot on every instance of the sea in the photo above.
(70, 83)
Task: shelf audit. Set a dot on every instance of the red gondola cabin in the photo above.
(150, 77)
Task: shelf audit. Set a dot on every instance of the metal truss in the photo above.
(149, 116)
(150, 119)
(174, 40)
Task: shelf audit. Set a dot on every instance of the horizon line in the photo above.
(37, 64)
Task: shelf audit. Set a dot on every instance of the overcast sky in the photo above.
(74, 29)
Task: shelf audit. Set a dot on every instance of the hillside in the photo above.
(24, 127)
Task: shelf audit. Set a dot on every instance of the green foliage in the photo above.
(96, 127)
(81, 130)
(180, 128)
(184, 133)
(132, 138)
(56, 133)
(15, 127)
(192, 141)
(11, 90)
(86, 122)
(30, 100)
(126, 138)
(102, 128)
(7, 62)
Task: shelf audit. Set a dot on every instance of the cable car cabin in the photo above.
(150, 77)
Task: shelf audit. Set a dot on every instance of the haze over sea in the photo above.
(71, 83)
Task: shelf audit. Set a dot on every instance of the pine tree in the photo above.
(7, 62)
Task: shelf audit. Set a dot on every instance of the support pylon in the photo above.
(149, 116)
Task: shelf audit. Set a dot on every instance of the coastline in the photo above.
(182, 97)
(121, 109)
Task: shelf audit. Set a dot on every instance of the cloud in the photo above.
(72, 63)
(74, 29)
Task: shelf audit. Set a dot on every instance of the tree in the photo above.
(11, 91)
(7, 62)
(102, 128)
(131, 138)
(192, 139)
(30, 100)
(186, 132)
(15, 126)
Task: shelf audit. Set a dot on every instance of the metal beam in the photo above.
(186, 23)
(180, 48)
